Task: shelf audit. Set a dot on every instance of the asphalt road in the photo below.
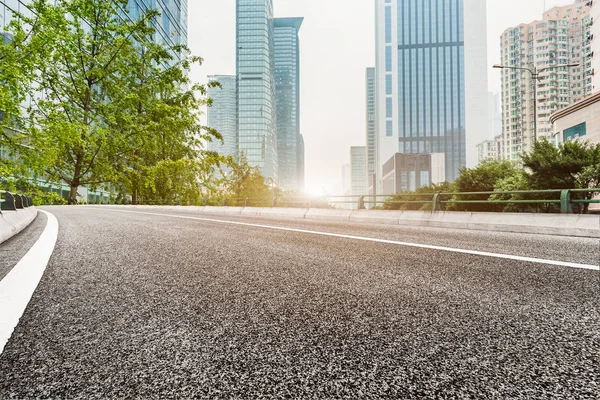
(154, 307)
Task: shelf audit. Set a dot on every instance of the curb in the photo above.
(13, 222)
(572, 225)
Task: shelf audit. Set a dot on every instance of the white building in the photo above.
(358, 167)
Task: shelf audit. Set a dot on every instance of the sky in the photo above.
(337, 44)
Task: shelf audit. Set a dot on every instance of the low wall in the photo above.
(13, 222)
(546, 224)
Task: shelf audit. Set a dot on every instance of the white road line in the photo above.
(367, 239)
(16, 289)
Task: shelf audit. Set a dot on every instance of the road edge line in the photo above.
(18, 286)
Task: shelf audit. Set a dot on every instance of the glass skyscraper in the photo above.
(171, 26)
(257, 139)
(287, 87)
(222, 116)
(431, 79)
(371, 85)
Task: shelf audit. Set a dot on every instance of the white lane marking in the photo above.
(368, 239)
(17, 287)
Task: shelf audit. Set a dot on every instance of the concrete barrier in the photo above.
(291, 213)
(548, 224)
(376, 217)
(13, 222)
(328, 214)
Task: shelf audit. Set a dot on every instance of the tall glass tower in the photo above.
(287, 88)
(431, 79)
(222, 116)
(257, 137)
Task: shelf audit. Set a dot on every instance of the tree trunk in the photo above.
(73, 194)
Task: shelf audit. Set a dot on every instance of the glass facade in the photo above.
(422, 68)
(257, 138)
(287, 88)
(371, 126)
(171, 26)
(222, 116)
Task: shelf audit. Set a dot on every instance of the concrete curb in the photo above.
(542, 224)
(13, 222)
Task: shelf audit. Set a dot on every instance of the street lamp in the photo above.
(535, 75)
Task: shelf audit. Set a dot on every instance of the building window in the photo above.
(388, 24)
(388, 58)
(389, 128)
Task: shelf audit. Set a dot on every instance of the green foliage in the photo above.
(562, 167)
(246, 182)
(482, 178)
(118, 109)
(423, 194)
(48, 199)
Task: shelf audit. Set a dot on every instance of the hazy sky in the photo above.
(337, 44)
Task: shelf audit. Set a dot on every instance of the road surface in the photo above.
(176, 305)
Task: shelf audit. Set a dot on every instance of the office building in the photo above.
(257, 138)
(222, 115)
(290, 147)
(431, 72)
(408, 172)
(358, 167)
(371, 118)
(560, 38)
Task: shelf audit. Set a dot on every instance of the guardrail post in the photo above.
(361, 203)
(565, 202)
(9, 202)
(437, 202)
(247, 202)
(19, 202)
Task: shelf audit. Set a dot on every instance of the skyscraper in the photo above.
(287, 87)
(432, 79)
(257, 139)
(371, 84)
(358, 166)
(222, 116)
(171, 26)
(560, 38)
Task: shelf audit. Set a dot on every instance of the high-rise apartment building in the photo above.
(595, 44)
(290, 149)
(432, 79)
(371, 85)
(560, 38)
(358, 168)
(257, 125)
(222, 115)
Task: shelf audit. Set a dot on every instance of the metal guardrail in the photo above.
(564, 198)
(440, 201)
(13, 202)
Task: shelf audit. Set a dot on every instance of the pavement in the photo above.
(145, 306)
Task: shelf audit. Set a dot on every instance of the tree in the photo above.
(23, 44)
(246, 182)
(551, 167)
(161, 125)
(82, 77)
(482, 178)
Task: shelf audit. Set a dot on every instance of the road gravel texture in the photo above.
(151, 307)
